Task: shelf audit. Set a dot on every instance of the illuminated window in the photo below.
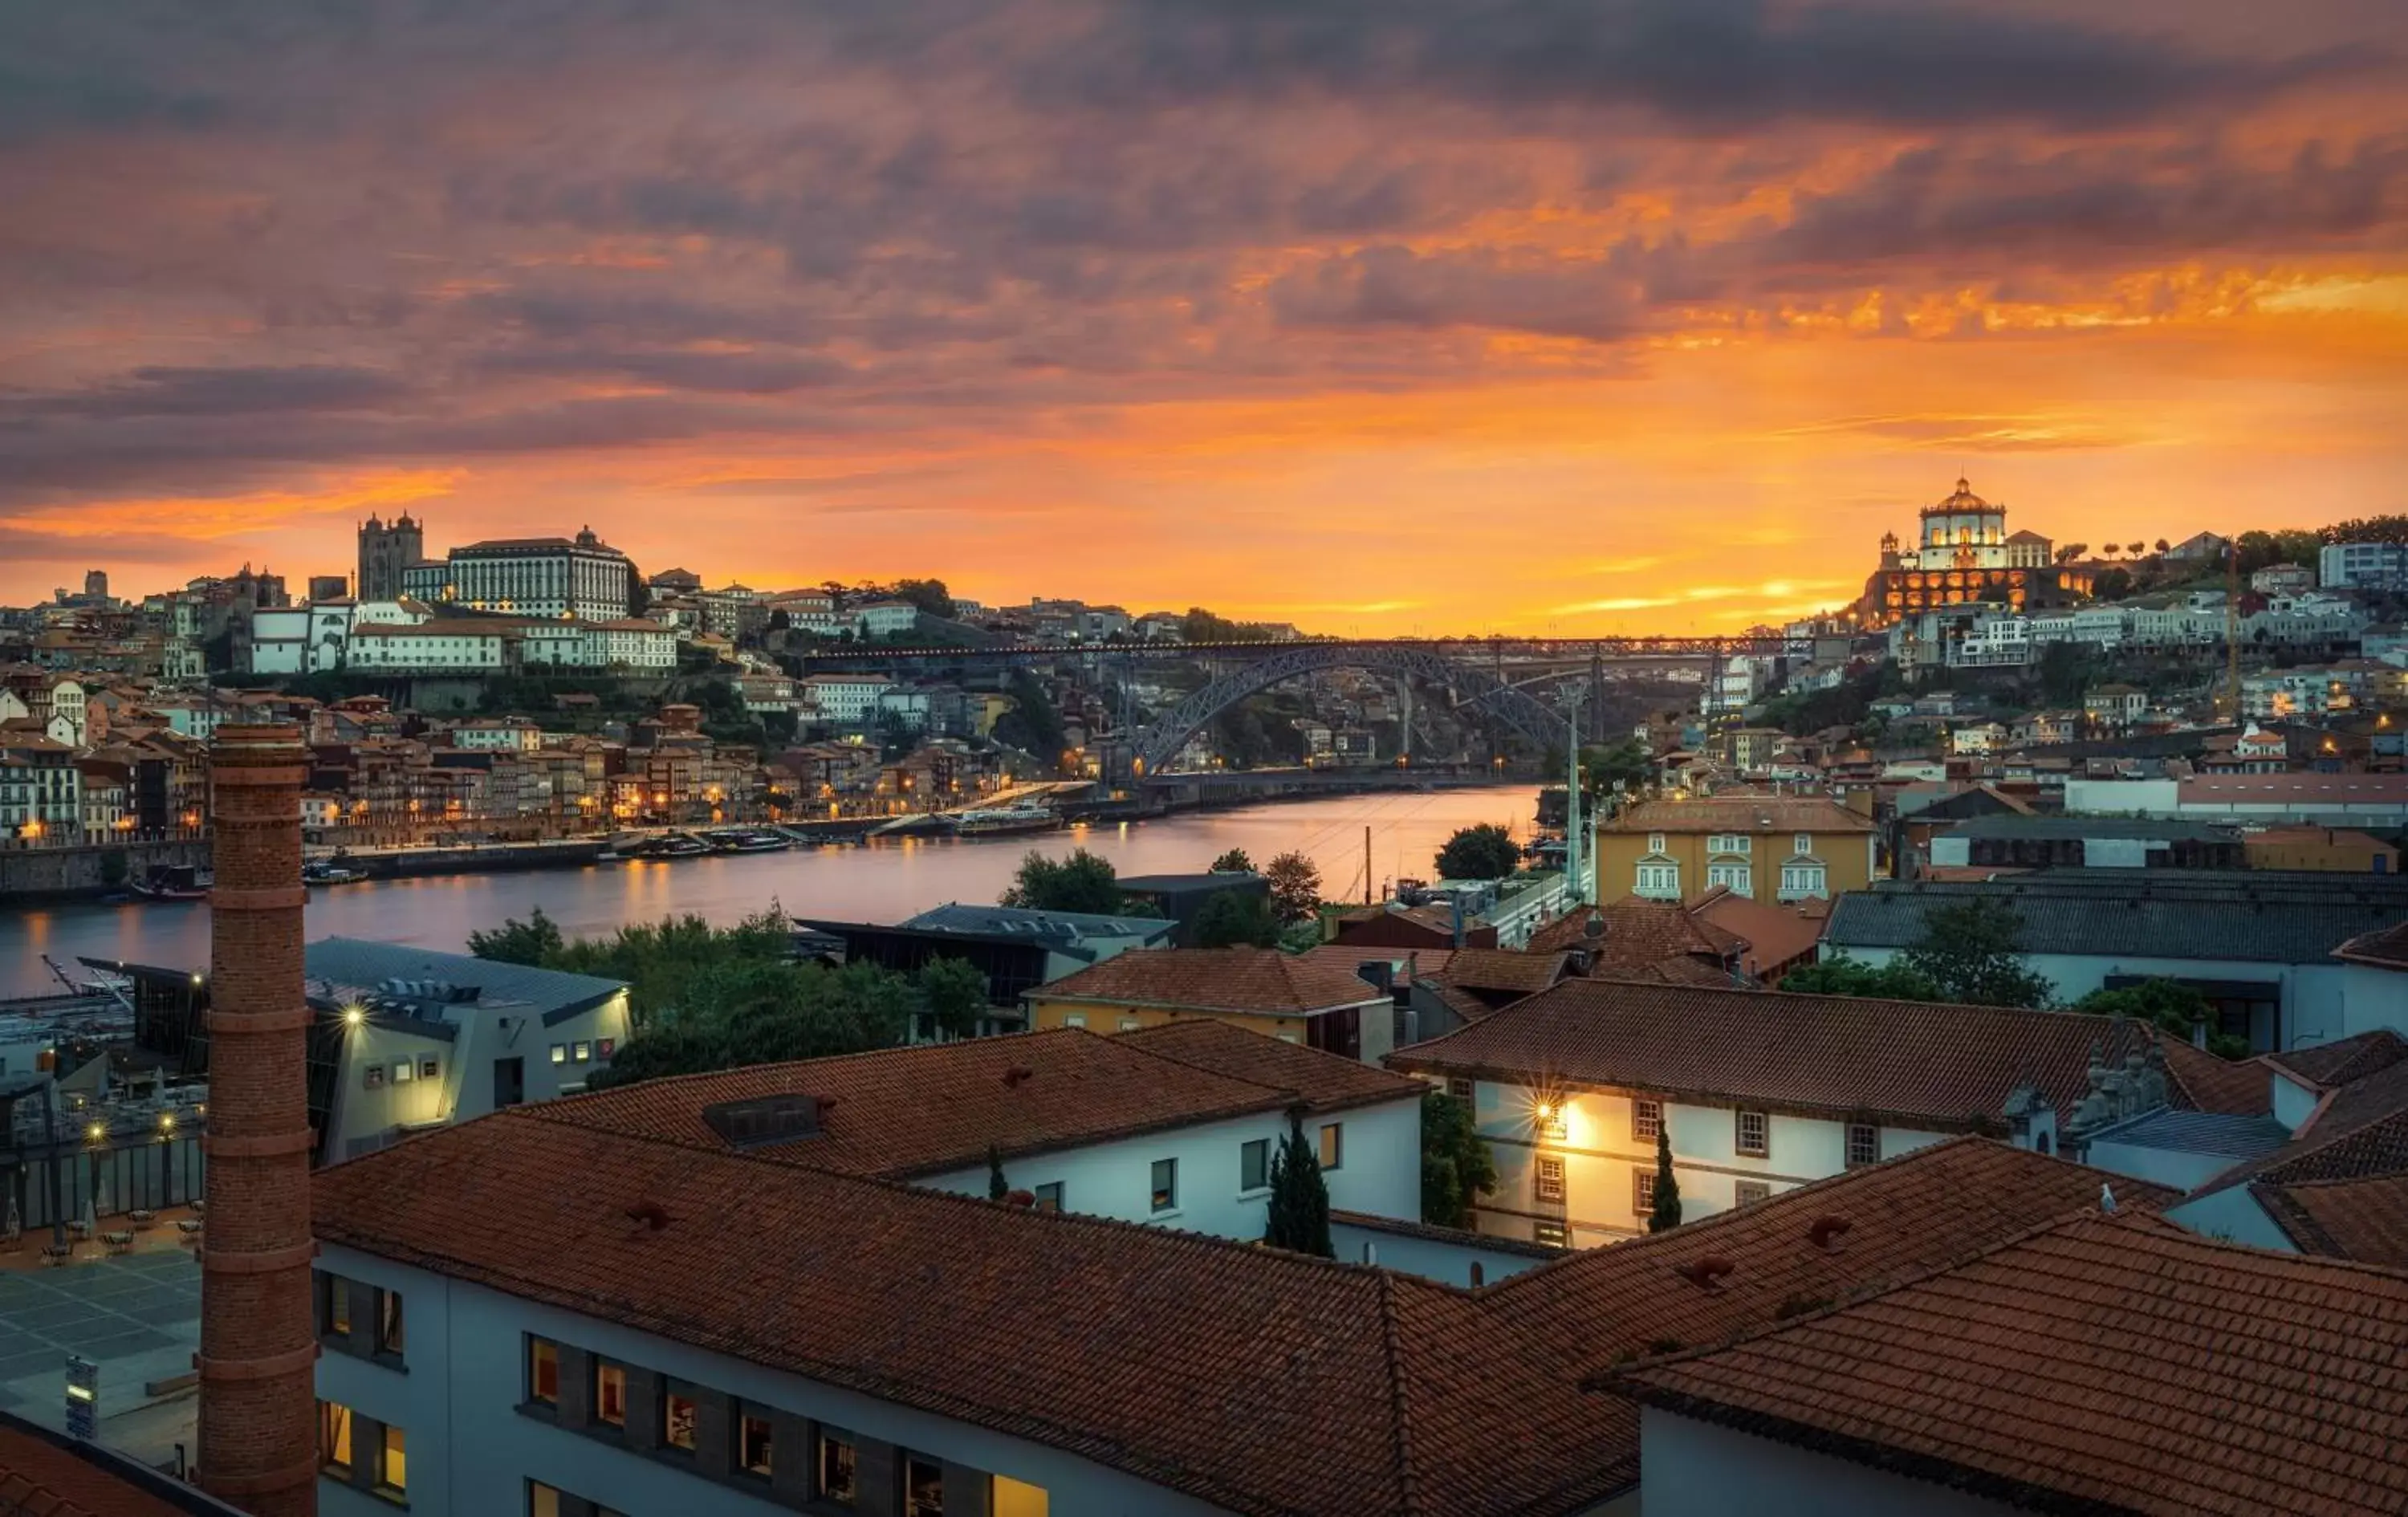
(610, 1393)
(1016, 1498)
(838, 1478)
(582, 1054)
(754, 1442)
(1646, 1119)
(393, 1470)
(404, 1070)
(1549, 1180)
(679, 1414)
(335, 1438)
(543, 1371)
(1166, 1185)
(1254, 1164)
(390, 1337)
(1753, 1137)
(1552, 1234)
(542, 1500)
(560, 1053)
(1333, 1145)
(1863, 1144)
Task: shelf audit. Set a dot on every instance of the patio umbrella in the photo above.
(90, 1219)
(16, 1224)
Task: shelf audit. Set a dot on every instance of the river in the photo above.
(880, 883)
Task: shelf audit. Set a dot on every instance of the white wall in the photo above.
(1600, 1155)
(1695, 1469)
(1379, 1172)
(1449, 1264)
(2123, 797)
(471, 1450)
(464, 1084)
(2232, 1214)
(2182, 1171)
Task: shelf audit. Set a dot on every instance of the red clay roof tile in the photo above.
(1741, 814)
(1262, 981)
(2364, 1220)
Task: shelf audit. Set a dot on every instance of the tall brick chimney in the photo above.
(259, 1342)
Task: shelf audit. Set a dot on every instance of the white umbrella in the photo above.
(16, 1224)
(90, 1219)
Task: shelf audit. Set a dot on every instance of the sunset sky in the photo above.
(1374, 315)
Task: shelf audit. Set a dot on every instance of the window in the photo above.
(1130, 1024)
(1254, 1164)
(1754, 1138)
(429, 1067)
(1016, 1498)
(1658, 881)
(372, 1078)
(605, 1047)
(1552, 1234)
(1802, 880)
(1461, 1088)
(1646, 1119)
(390, 1337)
(924, 1487)
(1747, 1193)
(404, 1070)
(543, 1371)
(1333, 1145)
(754, 1442)
(333, 1306)
(1863, 1144)
(1548, 1182)
(1643, 1192)
(1548, 1119)
(1074, 1019)
(1048, 1196)
(1731, 843)
(335, 1438)
(1803, 844)
(542, 1500)
(838, 1479)
(679, 1414)
(393, 1470)
(1736, 878)
(1654, 842)
(609, 1394)
(560, 1053)
(583, 1052)
(1166, 1185)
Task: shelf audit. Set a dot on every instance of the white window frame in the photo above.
(1763, 1150)
(1646, 1119)
(1803, 845)
(1657, 882)
(1871, 1133)
(1739, 879)
(1803, 880)
(1656, 842)
(1643, 1192)
(1547, 1177)
(1746, 1192)
(1731, 842)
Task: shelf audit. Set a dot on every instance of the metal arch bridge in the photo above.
(1497, 652)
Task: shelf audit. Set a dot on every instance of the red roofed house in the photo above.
(1299, 998)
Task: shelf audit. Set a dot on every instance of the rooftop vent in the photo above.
(650, 1215)
(1706, 1272)
(1825, 1232)
(768, 1119)
(1017, 1076)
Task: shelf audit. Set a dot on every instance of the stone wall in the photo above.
(36, 873)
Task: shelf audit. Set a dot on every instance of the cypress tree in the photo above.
(997, 1186)
(1299, 1200)
(1666, 1213)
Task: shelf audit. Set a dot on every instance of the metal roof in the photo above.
(2198, 1132)
(2208, 914)
(551, 993)
(2142, 828)
(1043, 926)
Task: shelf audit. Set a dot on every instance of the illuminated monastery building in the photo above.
(1968, 555)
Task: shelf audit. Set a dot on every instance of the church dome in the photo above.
(1963, 500)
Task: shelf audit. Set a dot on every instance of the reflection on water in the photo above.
(882, 882)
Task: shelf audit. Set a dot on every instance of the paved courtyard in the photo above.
(139, 1317)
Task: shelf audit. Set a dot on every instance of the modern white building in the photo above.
(2362, 566)
(1758, 1092)
(885, 618)
(847, 700)
(422, 1040)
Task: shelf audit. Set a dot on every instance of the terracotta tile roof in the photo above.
(1262, 981)
(2386, 948)
(1915, 1212)
(1460, 1001)
(1907, 1062)
(41, 1477)
(1770, 935)
(1639, 933)
(908, 1111)
(2345, 1061)
(2239, 1088)
(1253, 1381)
(1743, 814)
(2364, 1220)
(2355, 1132)
(1505, 969)
(1325, 1080)
(1349, 956)
(2105, 1365)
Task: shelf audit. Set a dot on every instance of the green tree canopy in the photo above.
(533, 942)
(1082, 882)
(1296, 887)
(1972, 953)
(954, 990)
(1482, 852)
(1841, 975)
(1664, 1214)
(2167, 1004)
(1235, 918)
(1299, 1200)
(1456, 1166)
(1233, 861)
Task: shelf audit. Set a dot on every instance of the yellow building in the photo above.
(1299, 998)
(1771, 849)
(2333, 850)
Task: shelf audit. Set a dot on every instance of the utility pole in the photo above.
(1367, 864)
(1575, 888)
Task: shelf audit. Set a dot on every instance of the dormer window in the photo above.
(1803, 844)
(1656, 842)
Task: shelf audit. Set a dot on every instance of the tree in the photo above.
(1484, 851)
(1299, 1200)
(1841, 975)
(536, 942)
(2112, 584)
(1456, 1166)
(2066, 670)
(1972, 953)
(2167, 1004)
(1296, 887)
(1032, 724)
(997, 1186)
(1082, 882)
(2164, 546)
(954, 991)
(2387, 528)
(1626, 761)
(1233, 861)
(1235, 919)
(1664, 1214)
(2135, 549)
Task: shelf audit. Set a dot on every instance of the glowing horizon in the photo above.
(1389, 319)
